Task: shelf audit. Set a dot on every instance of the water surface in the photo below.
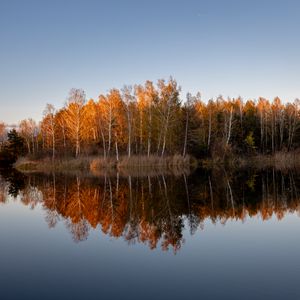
(211, 235)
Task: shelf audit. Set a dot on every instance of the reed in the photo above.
(144, 165)
(279, 161)
(48, 165)
(176, 164)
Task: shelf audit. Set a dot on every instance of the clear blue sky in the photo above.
(248, 48)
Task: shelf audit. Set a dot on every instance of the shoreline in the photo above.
(278, 161)
(175, 164)
(143, 165)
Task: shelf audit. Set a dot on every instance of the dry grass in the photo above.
(143, 165)
(25, 165)
(279, 161)
(219, 162)
(47, 165)
(134, 166)
(99, 163)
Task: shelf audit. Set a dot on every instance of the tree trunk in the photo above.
(117, 149)
(103, 142)
(141, 131)
(149, 132)
(186, 133)
(129, 131)
(229, 126)
(209, 131)
(53, 146)
(109, 129)
(166, 130)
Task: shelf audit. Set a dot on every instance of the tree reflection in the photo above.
(154, 210)
(15, 181)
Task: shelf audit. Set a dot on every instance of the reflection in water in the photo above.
(153, 210)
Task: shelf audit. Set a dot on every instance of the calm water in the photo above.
(209, 235)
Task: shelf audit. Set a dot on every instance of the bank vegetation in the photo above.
(150, 125)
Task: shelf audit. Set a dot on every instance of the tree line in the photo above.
(151, 119)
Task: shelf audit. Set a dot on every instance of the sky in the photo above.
(247, 48)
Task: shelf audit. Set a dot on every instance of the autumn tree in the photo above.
(129, 104)
(2, 133)
(168, 107)
(48, 126)
(61, 128)
(150, 119)
(74, 117)
(29, 131)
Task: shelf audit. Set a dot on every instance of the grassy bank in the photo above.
(144, 165)
(48, 165)
(139, 165)
(278, 160)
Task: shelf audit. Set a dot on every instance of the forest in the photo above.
(152, 120)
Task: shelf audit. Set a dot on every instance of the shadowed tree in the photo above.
(13, 148)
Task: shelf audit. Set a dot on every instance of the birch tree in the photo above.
(129, 101)
(28, 130)
(74, 116)
(49, 125)
(169, 103)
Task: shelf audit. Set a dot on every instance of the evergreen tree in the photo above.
(13, 148)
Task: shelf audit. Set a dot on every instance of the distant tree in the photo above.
(291, 111)
(28, 130)
(15, 143)
(129, 101)
(151, 119)
(74, 116)
(113, 120)
(61, 128)
(2, 133)
(168, 109)
(13, 147)
(188, 107)
(49, 126)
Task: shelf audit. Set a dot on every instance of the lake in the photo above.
(212, 234)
